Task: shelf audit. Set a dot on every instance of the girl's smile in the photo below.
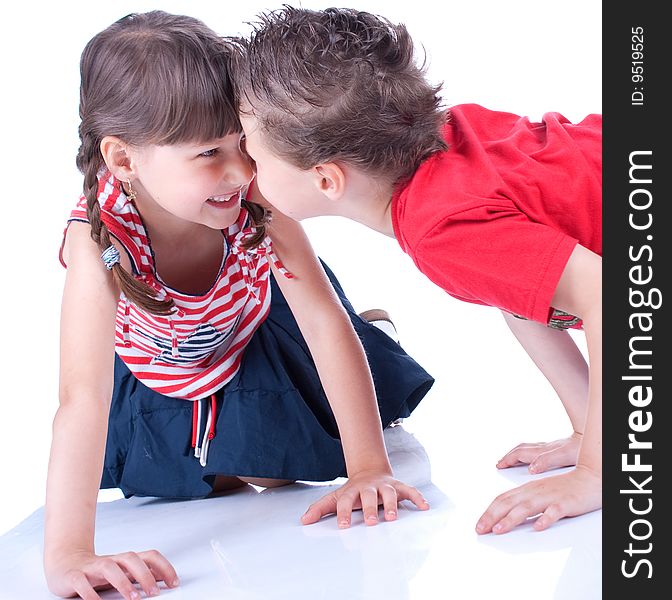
(225, 200)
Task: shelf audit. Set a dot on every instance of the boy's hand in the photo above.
(365, 490)
(553, 498)
(82, 573)
(544, 456)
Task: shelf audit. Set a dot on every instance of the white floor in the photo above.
(248, 545)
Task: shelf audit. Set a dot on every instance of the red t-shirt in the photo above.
(494, 219)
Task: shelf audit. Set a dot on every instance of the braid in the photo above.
(89, 162)
(260, 216)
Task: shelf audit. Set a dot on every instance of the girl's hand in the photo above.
(82, 573)
(544, 456)
(553, 498)
(366, 490)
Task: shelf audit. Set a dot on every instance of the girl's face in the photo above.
(198, 183)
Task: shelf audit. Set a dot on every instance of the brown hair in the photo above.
(339, 84)
(152, 78)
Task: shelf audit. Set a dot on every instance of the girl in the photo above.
(177, 345)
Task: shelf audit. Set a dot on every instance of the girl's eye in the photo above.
(209, 153)
(242, 143)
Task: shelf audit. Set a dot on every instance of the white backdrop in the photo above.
(524, 56)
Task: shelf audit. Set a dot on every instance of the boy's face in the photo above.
(293, 191)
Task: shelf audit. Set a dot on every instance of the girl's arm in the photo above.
(561, 362)
(346, 378)
(79, 434)
(579, 292)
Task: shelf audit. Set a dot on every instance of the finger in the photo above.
(546, 461)
(498, 508)
(407, 492)
(526, 446)
(80, 584)
(389, 497)
(344, 506)
(552, 514)
(160, 567)
(369, 500)
(138, 571)
(324, 506)
(554, 459)
(519, 456)
(517, 515)
(119, 580)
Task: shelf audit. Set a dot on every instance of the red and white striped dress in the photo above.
(197, 349)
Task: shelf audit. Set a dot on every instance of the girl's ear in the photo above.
(330, 180)
(117, 157)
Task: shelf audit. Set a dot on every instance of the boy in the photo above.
(494, 209)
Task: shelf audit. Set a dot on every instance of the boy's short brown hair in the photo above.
(339, 84)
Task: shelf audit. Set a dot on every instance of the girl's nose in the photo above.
(239, 169)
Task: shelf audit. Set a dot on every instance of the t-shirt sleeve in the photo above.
(497, 256)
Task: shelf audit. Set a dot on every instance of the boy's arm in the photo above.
(579, 292)
(344, 373)
(562, 363)
(581, 286)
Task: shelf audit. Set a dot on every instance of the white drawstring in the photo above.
(201, 442)
(206, 438)
(197, 448)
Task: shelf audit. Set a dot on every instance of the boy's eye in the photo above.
(242, 143)
(209, 153)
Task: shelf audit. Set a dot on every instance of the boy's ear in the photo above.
(117, 157)
(330, 180)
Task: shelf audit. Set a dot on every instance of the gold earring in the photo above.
(131, 195)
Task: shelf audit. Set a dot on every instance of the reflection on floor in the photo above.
(248, 544)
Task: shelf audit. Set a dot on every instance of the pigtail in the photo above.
(260, 217)
(138, 292)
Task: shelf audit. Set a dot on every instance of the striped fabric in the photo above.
(194, 351)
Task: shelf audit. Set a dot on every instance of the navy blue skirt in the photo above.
(273, 419)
